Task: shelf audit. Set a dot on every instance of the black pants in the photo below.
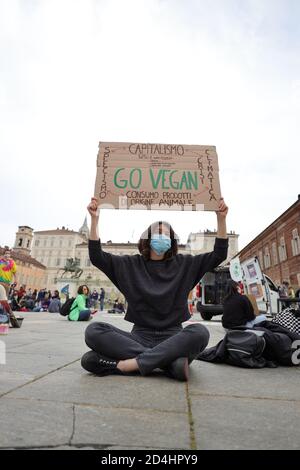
(151, 348)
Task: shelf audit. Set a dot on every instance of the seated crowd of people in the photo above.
(29, 300)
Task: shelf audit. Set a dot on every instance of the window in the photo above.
(274, 253)
(88, 262)
(70, 242)
(282, 250)
(45, 242)
(20, 241)
(37, 243)
(295, 243)
(28, 243)
(267, 259)
(52, 242)
(57, 261)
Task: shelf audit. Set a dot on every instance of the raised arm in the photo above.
(221, 219)
(104, 261)
(208, 261)
(94, 213)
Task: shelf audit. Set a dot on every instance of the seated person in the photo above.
(237, 308)
(15, 306)
(118, 307)
(55, 303)
(78, 311)
(6, 308)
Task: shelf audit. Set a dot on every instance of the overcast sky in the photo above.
(207, 72)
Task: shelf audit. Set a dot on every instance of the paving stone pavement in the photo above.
(47, 401)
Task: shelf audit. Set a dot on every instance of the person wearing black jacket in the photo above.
(156, 284)
(237, 308)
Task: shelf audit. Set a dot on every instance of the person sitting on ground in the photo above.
(156, 284)
(78, 311)
(21, 293)
(6, 308)
(55, 303)
(45, 303)
(117, 307)
(238, 309)
(120, 307)
(15, 306)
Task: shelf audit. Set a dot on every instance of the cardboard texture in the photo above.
(157, 176)
(254, 303)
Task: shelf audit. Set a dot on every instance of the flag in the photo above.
(65, 289)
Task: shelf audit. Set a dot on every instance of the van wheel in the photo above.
(206, 316)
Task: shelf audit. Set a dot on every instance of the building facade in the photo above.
(53, 247)
(203, 242)
(30, 272)
(278, 247)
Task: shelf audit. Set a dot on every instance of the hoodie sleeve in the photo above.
(106, 262)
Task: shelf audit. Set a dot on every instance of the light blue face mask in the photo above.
(160, 243)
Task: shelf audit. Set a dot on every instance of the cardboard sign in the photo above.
(157, 176)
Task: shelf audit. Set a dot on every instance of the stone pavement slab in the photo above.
(48, 401)
(26, 424)
(223, 380)
(130, 427)
(245, 423)
(74, 385)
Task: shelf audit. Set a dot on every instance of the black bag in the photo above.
(289, 318)
(241, 347)
(245, 349)
(66, 309)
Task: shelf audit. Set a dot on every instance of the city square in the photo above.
(150, 231)
(49, 402)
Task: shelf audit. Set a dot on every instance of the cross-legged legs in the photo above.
(144, 350)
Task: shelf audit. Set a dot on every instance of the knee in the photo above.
(92, 332)
(199, 333)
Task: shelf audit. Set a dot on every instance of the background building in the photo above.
(54, 247)
(30, 272)
(203, 242)
(278, 247)
(50, 249)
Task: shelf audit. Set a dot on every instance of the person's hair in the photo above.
(145, 240)
(80, 289)
(56, 294)
(231, 289)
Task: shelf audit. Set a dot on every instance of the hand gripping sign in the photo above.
(157, 176)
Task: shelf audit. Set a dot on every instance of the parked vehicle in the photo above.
(210, 292)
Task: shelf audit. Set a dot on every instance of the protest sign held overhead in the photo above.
(157, 176)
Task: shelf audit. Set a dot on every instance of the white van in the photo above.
(210, 292)
(261, 286)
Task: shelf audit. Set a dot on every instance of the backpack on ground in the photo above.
(245, 349)
(241, 348)
(65, 309)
